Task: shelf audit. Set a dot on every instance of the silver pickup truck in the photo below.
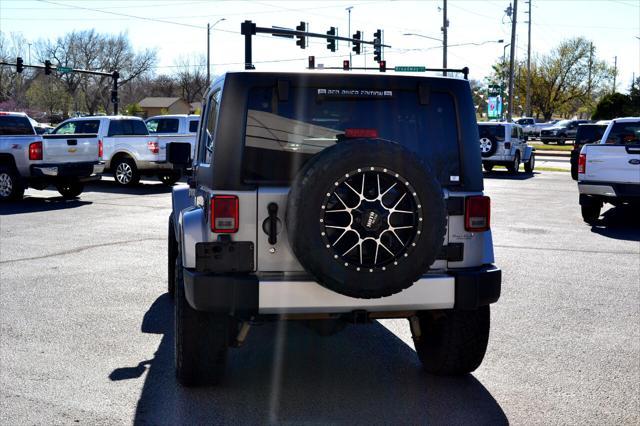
(129, 151)
(37, 161)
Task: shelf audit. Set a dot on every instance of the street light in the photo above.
(209, 27)
(423, 36)
(348, 9)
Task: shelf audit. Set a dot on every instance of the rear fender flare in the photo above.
(527, 153)
(191, 230)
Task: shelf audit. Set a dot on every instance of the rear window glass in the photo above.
(282, 136)
(163, 125)
(589, 134)
(193, 126)
(494, 131)
(625, 133)
(77, 126)
(14, 125)
(127, 127)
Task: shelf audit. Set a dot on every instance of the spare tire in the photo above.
(488, 145)
(366, 218)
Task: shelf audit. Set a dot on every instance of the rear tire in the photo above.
(11, 186)
(487, 167)
(70, 190)
(201, 339)
(515, 165)
(170, 179)
(530, 164)
(453, 342)
(125, 172)
(590, 210)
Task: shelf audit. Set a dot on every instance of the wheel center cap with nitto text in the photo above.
(369, 219)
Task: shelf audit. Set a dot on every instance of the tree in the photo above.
(191, 77)
(48, 94)
(566, 81)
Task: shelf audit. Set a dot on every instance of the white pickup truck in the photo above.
(31, 160)
(175, 128)
(609, 171)
(129, 150)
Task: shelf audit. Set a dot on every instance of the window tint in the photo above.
(282, 136)
(65, 128)
(164, 125)
(127, 127)
(514, 132)
(14, 125)
(193, 126)
(88, 126)
(207, 137)
(492, 130)
(625, 133)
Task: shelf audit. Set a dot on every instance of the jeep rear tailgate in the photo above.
(72, 148)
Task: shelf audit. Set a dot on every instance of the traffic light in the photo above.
(47, 67)
(356, 44)
(383, 66)
(302, 40)
(331, 43)
(345, 65)
(377, 46)
(19, 66)
(312, 62)
(114, 96)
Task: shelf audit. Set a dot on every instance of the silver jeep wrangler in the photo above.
(333, 199)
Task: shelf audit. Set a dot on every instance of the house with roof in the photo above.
(161, 105)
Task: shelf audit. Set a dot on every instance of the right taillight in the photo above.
(477, 213)
(35, 151)
(224, 214)
(153, 147)
(100, 149)
(582, 163)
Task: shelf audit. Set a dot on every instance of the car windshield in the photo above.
(282, 136)
(562, 123)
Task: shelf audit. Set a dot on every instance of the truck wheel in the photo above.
(11, 186)
(590, 210)
(530, 164)
(70, 190)
(487, 167)
(125, 172)
(545, 141)
(172, 252)
(562, 140)
(201, 340)
(452, 342)
(515, 165)
(170, 178)
(366, 218)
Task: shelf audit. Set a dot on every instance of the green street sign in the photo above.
(410, 69)
(64, 70)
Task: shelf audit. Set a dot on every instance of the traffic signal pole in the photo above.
(48, 68)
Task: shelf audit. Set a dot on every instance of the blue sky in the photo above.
(177, 28)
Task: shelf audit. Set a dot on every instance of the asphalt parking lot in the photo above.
(86, 329)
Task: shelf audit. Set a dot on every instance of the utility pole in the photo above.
(615, 72)
(590, 69)
(348, 9)
(209, 27)
(528, 100)
(511, 59)
(445, 24)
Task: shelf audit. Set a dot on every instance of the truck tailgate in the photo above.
(163, 140)
(612, 163)
(70, 148)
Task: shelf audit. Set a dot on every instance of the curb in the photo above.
(544, 153)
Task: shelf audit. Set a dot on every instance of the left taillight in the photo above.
(582, 163)
(35, 151)
(225, 214)
(153, 147)
(100, 150)
(477, 213)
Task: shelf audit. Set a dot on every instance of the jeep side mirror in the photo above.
(179, 153)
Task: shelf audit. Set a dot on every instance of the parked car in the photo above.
(561, 132)
(37, 161)
(609, 171)
(505, 144)
(587, 133)
(528, 125)
(129, 151)
(331, 198)
(167, 126)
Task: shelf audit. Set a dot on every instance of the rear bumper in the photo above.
(246, 295)
(155, 166)
(84, 171)
(623, 191)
